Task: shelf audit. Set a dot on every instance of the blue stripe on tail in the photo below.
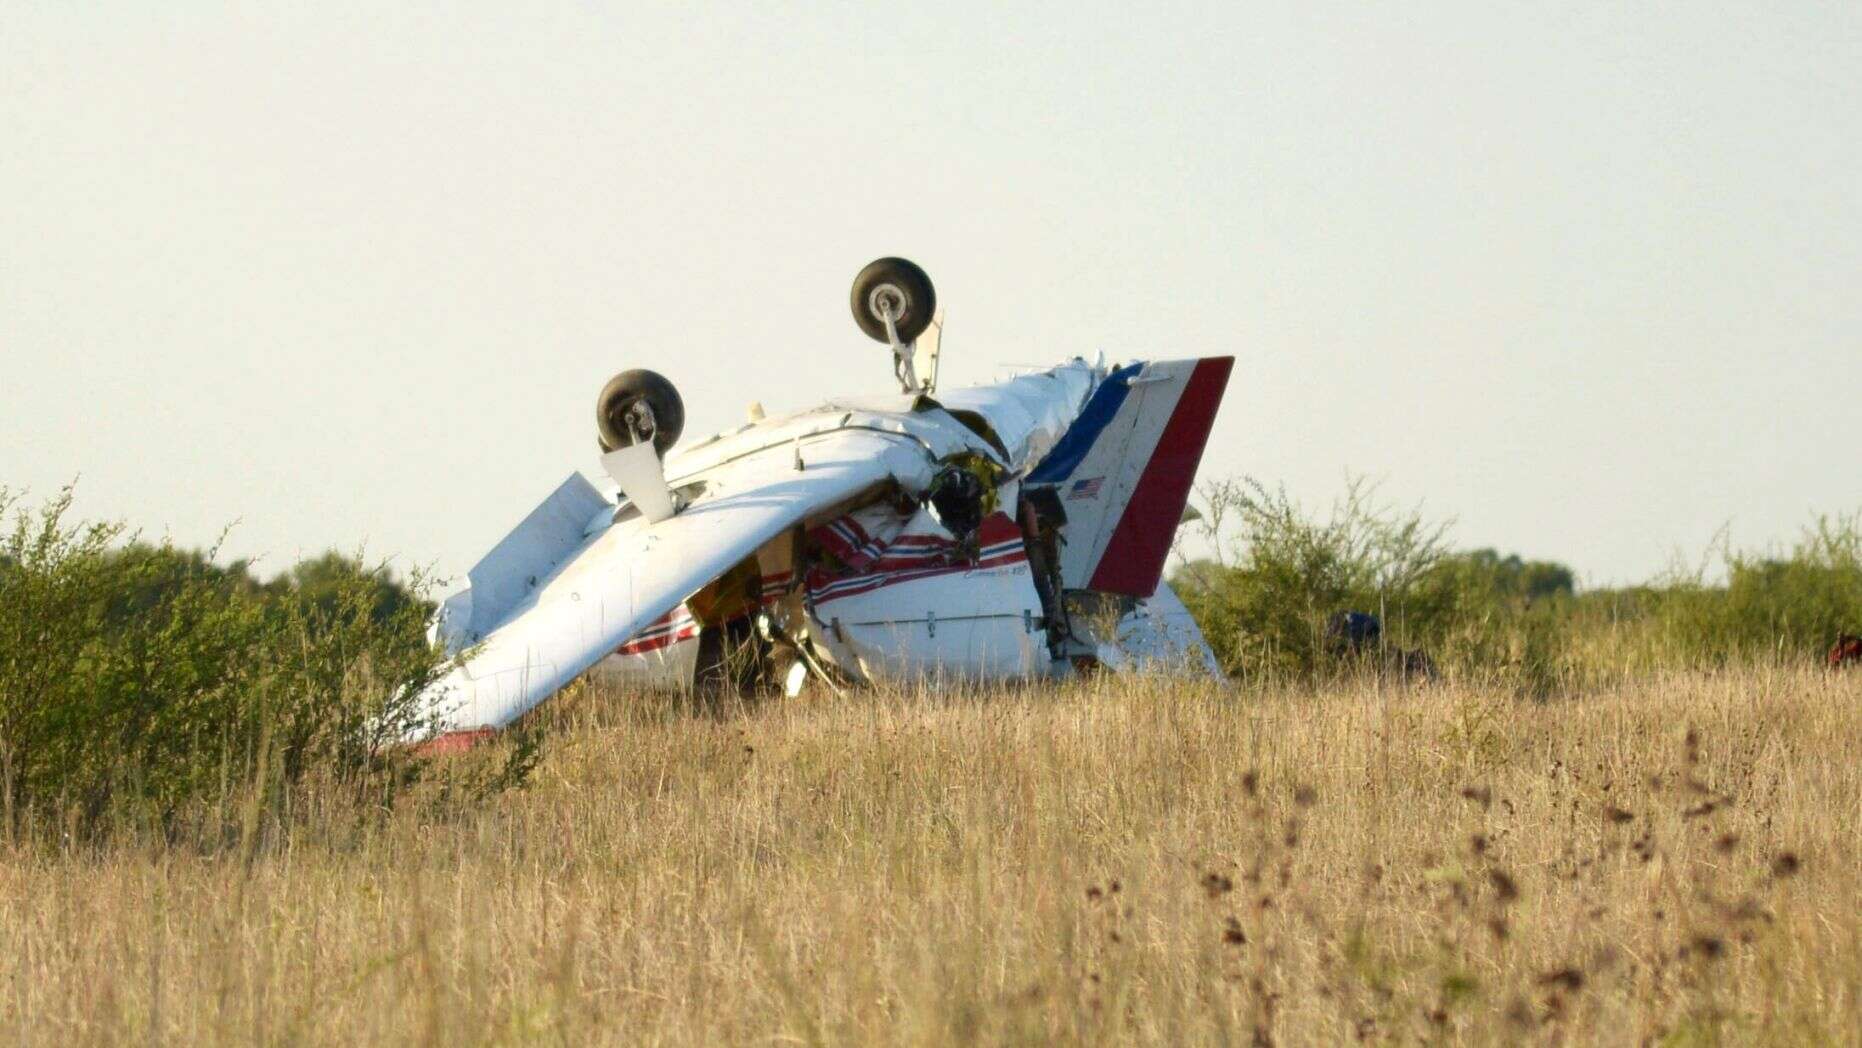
(1080, 437)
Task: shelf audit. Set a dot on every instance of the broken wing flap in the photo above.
(1124, 469)
(506, 576)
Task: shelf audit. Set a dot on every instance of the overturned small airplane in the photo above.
(1017, 530)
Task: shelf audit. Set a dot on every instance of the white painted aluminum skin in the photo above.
(588, 572)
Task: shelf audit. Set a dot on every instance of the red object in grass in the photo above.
(1848, 649)
(454, 742)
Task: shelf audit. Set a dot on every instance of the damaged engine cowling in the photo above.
(636, 406)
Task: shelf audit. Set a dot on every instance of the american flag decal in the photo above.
(1085, 489)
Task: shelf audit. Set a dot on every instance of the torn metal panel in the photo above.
(1159, 635)
(1029, 413)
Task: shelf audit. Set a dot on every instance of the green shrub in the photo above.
(1280, 574)
(146, 685)
(1768, 606)
(1277, 573)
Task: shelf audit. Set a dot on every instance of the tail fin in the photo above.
(1123, 471)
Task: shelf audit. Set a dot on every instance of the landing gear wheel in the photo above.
(639, 405)
(897, 286)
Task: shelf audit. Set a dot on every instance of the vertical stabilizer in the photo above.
(1123, 471)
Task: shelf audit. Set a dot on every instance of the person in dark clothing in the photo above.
(1352, 633)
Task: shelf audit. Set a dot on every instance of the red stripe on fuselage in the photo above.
(1134, 558)
(881, 581)
(664, 640)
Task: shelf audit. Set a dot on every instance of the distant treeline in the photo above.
(147, 686)
(1279, 573)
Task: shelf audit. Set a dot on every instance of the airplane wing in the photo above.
(625, 572)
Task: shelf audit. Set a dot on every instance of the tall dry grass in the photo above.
(1674, 861)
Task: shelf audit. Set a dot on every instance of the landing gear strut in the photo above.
(636, 407)
(894, 302)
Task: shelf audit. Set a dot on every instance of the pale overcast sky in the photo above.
(1587, 278)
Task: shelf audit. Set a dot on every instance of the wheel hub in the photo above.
(639, 419)
(887, 303)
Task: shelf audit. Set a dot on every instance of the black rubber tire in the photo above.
(920, 298)
(625, 390)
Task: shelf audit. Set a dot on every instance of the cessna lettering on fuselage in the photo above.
(1010, 531)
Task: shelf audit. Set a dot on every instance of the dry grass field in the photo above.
(1672, 862)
